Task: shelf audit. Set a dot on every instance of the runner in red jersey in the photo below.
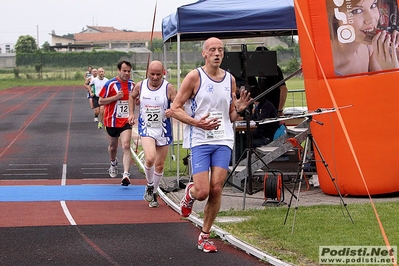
(115, 98)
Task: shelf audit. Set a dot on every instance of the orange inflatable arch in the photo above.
(359, 143)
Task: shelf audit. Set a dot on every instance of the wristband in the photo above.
(280, 111)
(242, 113)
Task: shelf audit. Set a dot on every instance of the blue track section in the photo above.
(70, 192)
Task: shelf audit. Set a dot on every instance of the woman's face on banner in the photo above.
(364, 16)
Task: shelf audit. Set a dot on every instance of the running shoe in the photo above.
(149, 193)
(125, 179)
(113, 169)
(100, 125)
(154, 203)
(186, 204)
(95, 119)
(205, 245)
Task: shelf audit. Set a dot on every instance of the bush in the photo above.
(77, 75)
(293, 65)
(16, 72)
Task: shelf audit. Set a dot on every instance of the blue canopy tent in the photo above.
(228, 20)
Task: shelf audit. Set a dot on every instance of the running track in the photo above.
(58, 206)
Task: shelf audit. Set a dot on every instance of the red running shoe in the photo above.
(205, 245)
(186, 204)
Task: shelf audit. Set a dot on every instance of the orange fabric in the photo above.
(353, 141)
(294, 142)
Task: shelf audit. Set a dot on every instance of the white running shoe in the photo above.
(154, 203)
(149, 193)
(113, 169)
(125, 179)
(95, 119)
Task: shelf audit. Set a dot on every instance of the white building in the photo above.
(6, 48)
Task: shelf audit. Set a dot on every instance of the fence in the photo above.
(296, 99)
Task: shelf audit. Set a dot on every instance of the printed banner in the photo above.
(363, 35)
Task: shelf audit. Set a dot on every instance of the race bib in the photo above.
(122, 109)
(219, 132)
(152, 116)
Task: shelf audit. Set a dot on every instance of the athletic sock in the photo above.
(157, 180)
(149, 173)
(203, 234)
(189, 194)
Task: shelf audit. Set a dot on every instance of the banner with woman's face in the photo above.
(363, 35)
(349, 52)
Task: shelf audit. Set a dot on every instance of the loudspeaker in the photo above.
(259, 63)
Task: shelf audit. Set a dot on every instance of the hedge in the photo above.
(71, 59)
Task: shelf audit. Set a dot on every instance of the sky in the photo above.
(40, 17)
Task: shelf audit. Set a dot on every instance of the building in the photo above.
(7, 60)
(105, 38)
(6, 48)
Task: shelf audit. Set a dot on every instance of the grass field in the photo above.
(72, 77)
(319, 225)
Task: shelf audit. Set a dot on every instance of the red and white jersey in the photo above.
(116, 113)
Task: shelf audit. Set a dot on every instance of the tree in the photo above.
(157, 45)
(25, 44)
(289, 40)
(187, 46)
(46, 47)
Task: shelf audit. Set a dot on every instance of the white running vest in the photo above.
(213, 97)
(152, 121)
(98, 84)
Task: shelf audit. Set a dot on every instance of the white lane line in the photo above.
(31, 174)
(26, 169)
(63, 179)
(63, 203)
(31, 164)
(23, 168)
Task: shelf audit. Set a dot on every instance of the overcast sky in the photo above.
(38, 18)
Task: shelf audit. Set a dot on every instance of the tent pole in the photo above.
(166, 67)
(178, 123)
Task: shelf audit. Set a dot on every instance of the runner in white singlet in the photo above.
(155, 95)
(207, 103)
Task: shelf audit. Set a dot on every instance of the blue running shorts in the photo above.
(205, 156)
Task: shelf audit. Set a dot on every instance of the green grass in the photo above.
(27, 76)
(10, 83)
(322, 225)
(295, 83)
(295, 99)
